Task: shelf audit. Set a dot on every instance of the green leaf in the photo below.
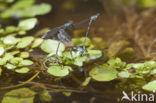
(10, 40)
(79, 60)
(59, 71)
(24, 42)
(22, 70)
(16, 60)
(1, 51)
(24, 54)
(26, 62)
(20, 95)
(150, 64)
(10, 29)
(150, 86)
(40, 9)
(2, 61)
(103, 73)
(23, 4)
(10, 66)
(37, 42)
(116, 63)
(94, 52)
(50, 46)
(153, 71)
(45, 96)
(27, 24)
(124, 74)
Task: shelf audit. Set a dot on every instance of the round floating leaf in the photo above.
(94, 52)
(124, 74)
(24, 42)
(37, 42)
(79, 60)
(27, 24)
(10, 40)
(22, 70)
(16, 60)
(1, 51)
(103, 73)
(50, 46)
(21, 95)
(10, 66)
(150, 86)
(23, 3)
(150, 64)
(59, 71)
(153, 71)
(138, 65)
(24, 54)
(40, 9)
(10, 29)
(26, 62)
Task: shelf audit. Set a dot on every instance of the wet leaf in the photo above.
(16, 60)
(22, 70)
(94, 52)
(116, 63)
(26, 41)
(26, 62)
(153, 72)
(150, 64)
(79, 60)
(37, 42)
(150, 86)
(45, 96)
(25, 8)
(124, 74)
(27, 24)
(1, 51)
(21, 95)
(59, 71)
(23, 4)
(10, 66)
(40, 9)
(50, 46)
(10, 40)
(24, 54)
(103, 73)
(10, 29)
(2, 61)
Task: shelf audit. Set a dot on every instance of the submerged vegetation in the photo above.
(130, 62)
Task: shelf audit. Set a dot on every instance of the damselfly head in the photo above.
(94, 16)
(68, 24)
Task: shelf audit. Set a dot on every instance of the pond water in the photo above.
(104, 27)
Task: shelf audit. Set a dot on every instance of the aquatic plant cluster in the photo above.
(16, 48)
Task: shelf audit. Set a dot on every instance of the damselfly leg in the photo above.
(83, 50)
